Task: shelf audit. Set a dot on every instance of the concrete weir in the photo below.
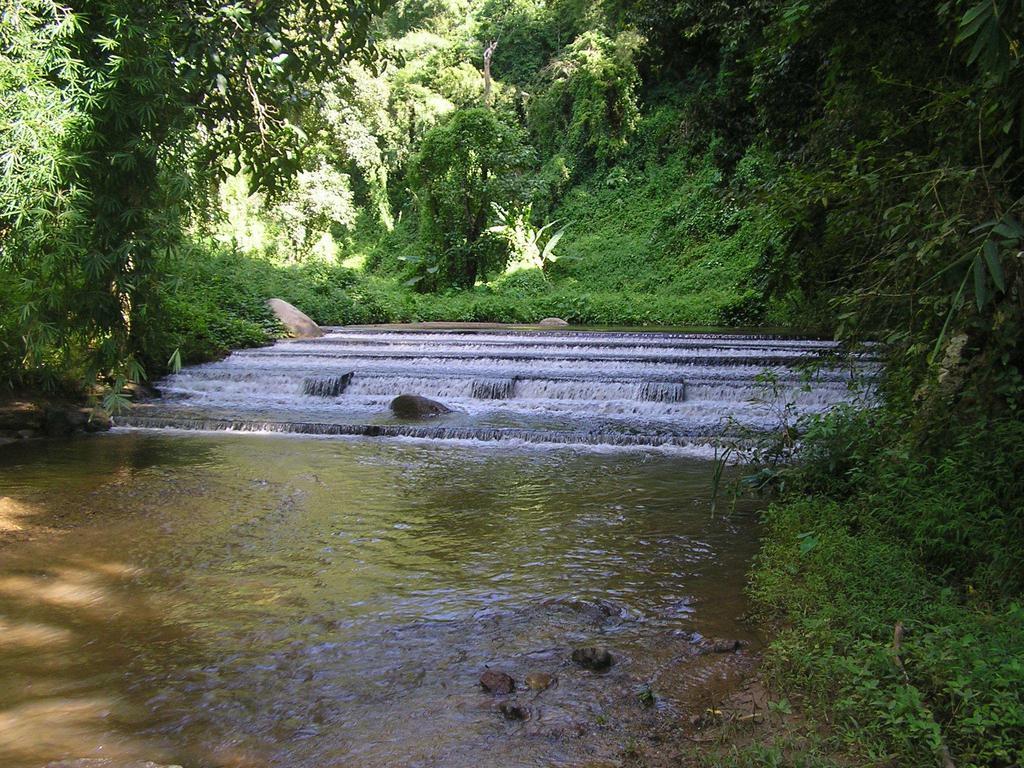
(577, 387)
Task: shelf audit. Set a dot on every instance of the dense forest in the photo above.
(848, 169)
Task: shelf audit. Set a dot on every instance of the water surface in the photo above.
(666, 390)
(230, 600)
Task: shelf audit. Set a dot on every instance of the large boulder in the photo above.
(553, 321)
(297, 323)
(63, 420)
(26, 420)
(417, 407)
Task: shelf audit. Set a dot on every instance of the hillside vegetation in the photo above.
(851, 169)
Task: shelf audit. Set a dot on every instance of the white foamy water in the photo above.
(579, 388)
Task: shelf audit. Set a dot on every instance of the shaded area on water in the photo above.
(230, 600)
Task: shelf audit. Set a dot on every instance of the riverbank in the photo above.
(33, 416)
(890, 578)
(889, 583)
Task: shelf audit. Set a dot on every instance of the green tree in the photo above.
(115, 115)
(589, 108)
(465, 164)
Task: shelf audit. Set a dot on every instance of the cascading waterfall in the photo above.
(493, 389)
(662, 391)
(556, 387)
(331, 386)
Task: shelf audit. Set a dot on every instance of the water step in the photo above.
(428, 432)
(331, 386)
(585, 388)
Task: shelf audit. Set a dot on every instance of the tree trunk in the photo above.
(488, 54)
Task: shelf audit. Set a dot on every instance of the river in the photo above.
(225, 599)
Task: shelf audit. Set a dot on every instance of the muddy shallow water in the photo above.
(230, 600)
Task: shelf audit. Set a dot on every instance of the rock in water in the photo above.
(720, 646)
(513, 711)
(99, 421)
(552, 321)
(140, 391)
(539, 681)
(417, 407)
(62, 420)
(494, 681)
(597, 659)
(297, 323)
(21, 415)
(596, 611)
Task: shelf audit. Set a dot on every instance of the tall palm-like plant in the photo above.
(530, 247)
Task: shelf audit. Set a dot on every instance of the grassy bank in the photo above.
(656, 241)
(878, 531)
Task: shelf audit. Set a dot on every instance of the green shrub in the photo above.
(878, 528)
(589, 108)
(12, 348)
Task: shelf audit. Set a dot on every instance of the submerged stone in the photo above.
(539, 681)
(595, 611)
(721, 646)
(494, 681)
(514, 711)
(596, 659)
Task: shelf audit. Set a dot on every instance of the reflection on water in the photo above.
(267, 601)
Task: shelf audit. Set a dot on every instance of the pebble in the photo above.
(494, 681)
(539, 681)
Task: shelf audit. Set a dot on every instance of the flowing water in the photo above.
(557, 387)
(261, 600)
